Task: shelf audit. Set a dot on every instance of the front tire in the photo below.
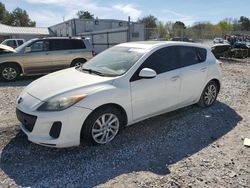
(9, 72)
(102, 126)
(209, 94)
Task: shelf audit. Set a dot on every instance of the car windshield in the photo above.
(114, 61)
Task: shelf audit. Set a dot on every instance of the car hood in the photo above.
(6, 48)
(66, 82)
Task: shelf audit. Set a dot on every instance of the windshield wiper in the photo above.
(91, 71)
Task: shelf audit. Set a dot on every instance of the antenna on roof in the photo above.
(63, 18)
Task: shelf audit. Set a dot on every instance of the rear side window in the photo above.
(66, 44)
(20, 42)
(202, 54)
(60, 44)
(191, 55)
(77, 44)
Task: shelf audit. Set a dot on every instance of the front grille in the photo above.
(27, 120)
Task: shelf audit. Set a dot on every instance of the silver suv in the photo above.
(41, 56)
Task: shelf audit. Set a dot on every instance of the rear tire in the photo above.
(102, 126)
(209, 94)
(9, 72)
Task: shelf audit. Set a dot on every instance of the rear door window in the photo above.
(60, 44)
(191, 55)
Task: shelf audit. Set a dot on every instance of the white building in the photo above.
(7, 32)
(103, 32)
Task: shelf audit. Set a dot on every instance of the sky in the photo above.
(50, 12)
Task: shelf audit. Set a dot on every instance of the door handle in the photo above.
(174, 78)
(203, 69)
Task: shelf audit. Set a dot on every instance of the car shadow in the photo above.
(22, 81)
(150, 145)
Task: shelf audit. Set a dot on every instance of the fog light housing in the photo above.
(55, 129)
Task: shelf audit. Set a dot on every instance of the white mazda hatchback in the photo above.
(122, 85)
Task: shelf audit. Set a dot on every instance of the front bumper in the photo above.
(38, 125)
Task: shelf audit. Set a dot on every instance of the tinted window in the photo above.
(60, 44)
(187, 55)
(11, 43)
(66, 44)
(39, 46)
(162, 60)
(202, 54)
(20, 42)
(77, 44)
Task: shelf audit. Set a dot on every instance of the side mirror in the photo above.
(147, 73)
(27, 49)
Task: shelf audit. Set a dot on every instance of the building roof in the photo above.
(104, 31)
(12, 30)
(100, 20)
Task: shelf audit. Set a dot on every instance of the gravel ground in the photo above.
(191, 147)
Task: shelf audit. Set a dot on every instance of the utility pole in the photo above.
(129, 29)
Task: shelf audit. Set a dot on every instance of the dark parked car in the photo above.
(226, 51)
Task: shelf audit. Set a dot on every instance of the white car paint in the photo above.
(140, 99)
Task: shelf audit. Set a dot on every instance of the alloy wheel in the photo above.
(9, 73)
(105, 128)
(210, 94)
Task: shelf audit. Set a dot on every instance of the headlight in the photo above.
(60, 103)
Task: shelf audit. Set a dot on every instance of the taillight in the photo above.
(93, 53)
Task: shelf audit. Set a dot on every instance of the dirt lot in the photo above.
(191, 147)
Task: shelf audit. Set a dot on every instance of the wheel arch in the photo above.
(117, 106)
(13, 63)
(216, 81)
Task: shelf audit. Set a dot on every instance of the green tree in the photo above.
(19, 17)
(4, 14)
(226, 25)
(84, 15)
(149, 21)
(179, 28)
(179, 25)
(245, 23)
(165, 30)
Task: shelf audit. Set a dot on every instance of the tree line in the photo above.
(17, 17)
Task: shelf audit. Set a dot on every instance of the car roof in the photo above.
(77, 38)
(147, 45)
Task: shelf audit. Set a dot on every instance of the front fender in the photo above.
(107, 95)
